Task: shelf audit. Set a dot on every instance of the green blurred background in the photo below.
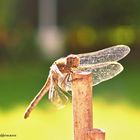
(34, 33)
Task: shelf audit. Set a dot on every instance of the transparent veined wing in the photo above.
(58, 96)
(102, 71)
(114, 53)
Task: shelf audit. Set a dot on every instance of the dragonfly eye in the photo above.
(72, 60)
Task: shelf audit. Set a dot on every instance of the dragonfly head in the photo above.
(72, 60)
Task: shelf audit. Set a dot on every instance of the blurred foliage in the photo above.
(123, 34)
(99, 13)
(17, 30)
(7, 18)
(88, 24)
(87, 37)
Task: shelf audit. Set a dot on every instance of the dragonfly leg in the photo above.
(69, 78)
(64, 81)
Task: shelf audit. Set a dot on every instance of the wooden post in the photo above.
(82, 108)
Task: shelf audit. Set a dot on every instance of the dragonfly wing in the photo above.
(102, 71)
(58, 97)
(114, 53)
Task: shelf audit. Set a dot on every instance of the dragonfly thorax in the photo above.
(63, 68)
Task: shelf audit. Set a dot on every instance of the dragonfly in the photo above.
(103, 64)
